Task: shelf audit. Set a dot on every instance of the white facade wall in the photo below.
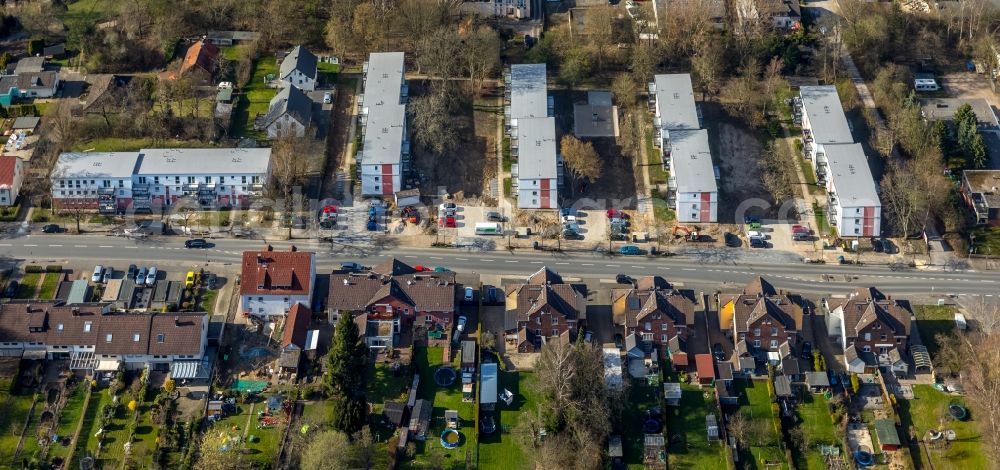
(376, 179)
(530, 194)
(850, 219)
(271, 305)
(70, 188)
(300, 80)
(285, 125)
(689, 207)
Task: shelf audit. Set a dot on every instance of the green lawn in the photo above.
(254, 99)
(810, 176)
(90, 10)
(262, 452)
(932, 320)
(765, 446)
(500, 449)
(86, 444)
(116, 435)
(384, 385)
(641, 397)
(114, 144)
(821, 222)
(817, 424)
(28, 286)
(69, 418)
(987, 241)
(428, 360)
(15, 412)
(662, 211)
(929, 410)
(207, 301)
(657, 175)
(49, 286)
(686, 430)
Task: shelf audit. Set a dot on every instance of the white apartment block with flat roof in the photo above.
(384, 156)
(840, 164)
(692, 188)
(530, 126)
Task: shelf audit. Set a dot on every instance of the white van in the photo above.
(489, 228)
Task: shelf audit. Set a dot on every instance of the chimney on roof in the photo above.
(27, 308)
(177, 321)
(346, 282)
(269, 247)
(76, 311)
(260, 259)
(294, 249)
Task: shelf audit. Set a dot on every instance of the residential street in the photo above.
(707, 271)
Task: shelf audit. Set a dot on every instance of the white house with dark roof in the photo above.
(289, 114)
(113, 182)
(384, 155)
(272, 282)
(531, 129)
(299, 69)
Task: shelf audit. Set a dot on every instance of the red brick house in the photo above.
(873, 329)
(762, 316)
(391, 296)
(653, 311)
(543, 309)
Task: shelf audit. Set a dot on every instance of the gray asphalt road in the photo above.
(698, 272)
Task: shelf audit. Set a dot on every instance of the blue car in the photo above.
(630, 250)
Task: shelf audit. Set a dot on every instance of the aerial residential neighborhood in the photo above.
(510, 234)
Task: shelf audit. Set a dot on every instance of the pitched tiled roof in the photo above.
(201, 54)
(298, 59)
(181, 333)
(545, 276)
(631, 306)
(759, 299)
(276, 272)
(289, 100)
(128, 334)
(8, 167)
(425, 292)
(866, 305)
(87, 325)
(563, 299)
(296, 326)
(651, 282)
(760, 286)
(393, 267)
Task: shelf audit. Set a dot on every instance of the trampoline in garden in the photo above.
(445, 376)
(957, 411)
(249, 386)
(450, 439)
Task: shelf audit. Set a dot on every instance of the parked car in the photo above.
(189, 279)
(623, 278)
(616, 214)
(140, 276)
(11, 289)
(195, 243)
(630, 250)
(460, 324)
(108, 272)
(752, 221)
(495, 217)
(132, 269)
(491, 294)
(807, 350)
(732, 240)
(470, 294)
(51, 228)
(447, 222)
(441, 269)
(755, 234)
(351, 266)
(718, 352)
(567, 211)
(98, 274)
(211, 279)
(758, 243)
(151, 276)
(327, 98)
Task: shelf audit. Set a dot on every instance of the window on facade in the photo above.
(868, 336)
(867, 348)
(694, 206)
(135, 338)
(663, 338)
(663, 326)
(255, 179)
(142, 180)
(156, 180)
(774, 343)
(756, 343)
(428, 318)
(62, 183)
(884, 337)
(106, 183)
(108, 338)
(856, 231)
(538, 332)
(160, 338)
(555, 321)
(774, 332)
(648, 326)
(190, 179)
(86, 326)
(555, 332)
(177, 180)
(59, 327)
(756, 331)
(244, 179)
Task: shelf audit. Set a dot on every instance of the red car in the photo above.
(448, 222)
(799, 229)
(616, 214)
(419, 268)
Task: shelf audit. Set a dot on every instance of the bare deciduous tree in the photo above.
(581, 158)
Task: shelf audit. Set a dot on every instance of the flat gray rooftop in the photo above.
(691, 160)
(675, 101)
(536, 148)
(826, 115)
(386, 126)
(528, 92)
(851, 176)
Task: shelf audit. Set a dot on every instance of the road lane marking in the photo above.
(462, 259)
(693, 269)
(611, 265)
(5, 244)
(55, 245)
(435, 257)
(79, 246)
(511, 261)
(486, 260)
(582, 264)
(562, 263)
(102, 246)
(30, 245)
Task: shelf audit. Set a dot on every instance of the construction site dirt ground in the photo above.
(737, 152)
(469, 172)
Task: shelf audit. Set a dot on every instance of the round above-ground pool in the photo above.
(450, 439)
(957, 411)
(864, 458)
(651, 426)
(445, 376)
